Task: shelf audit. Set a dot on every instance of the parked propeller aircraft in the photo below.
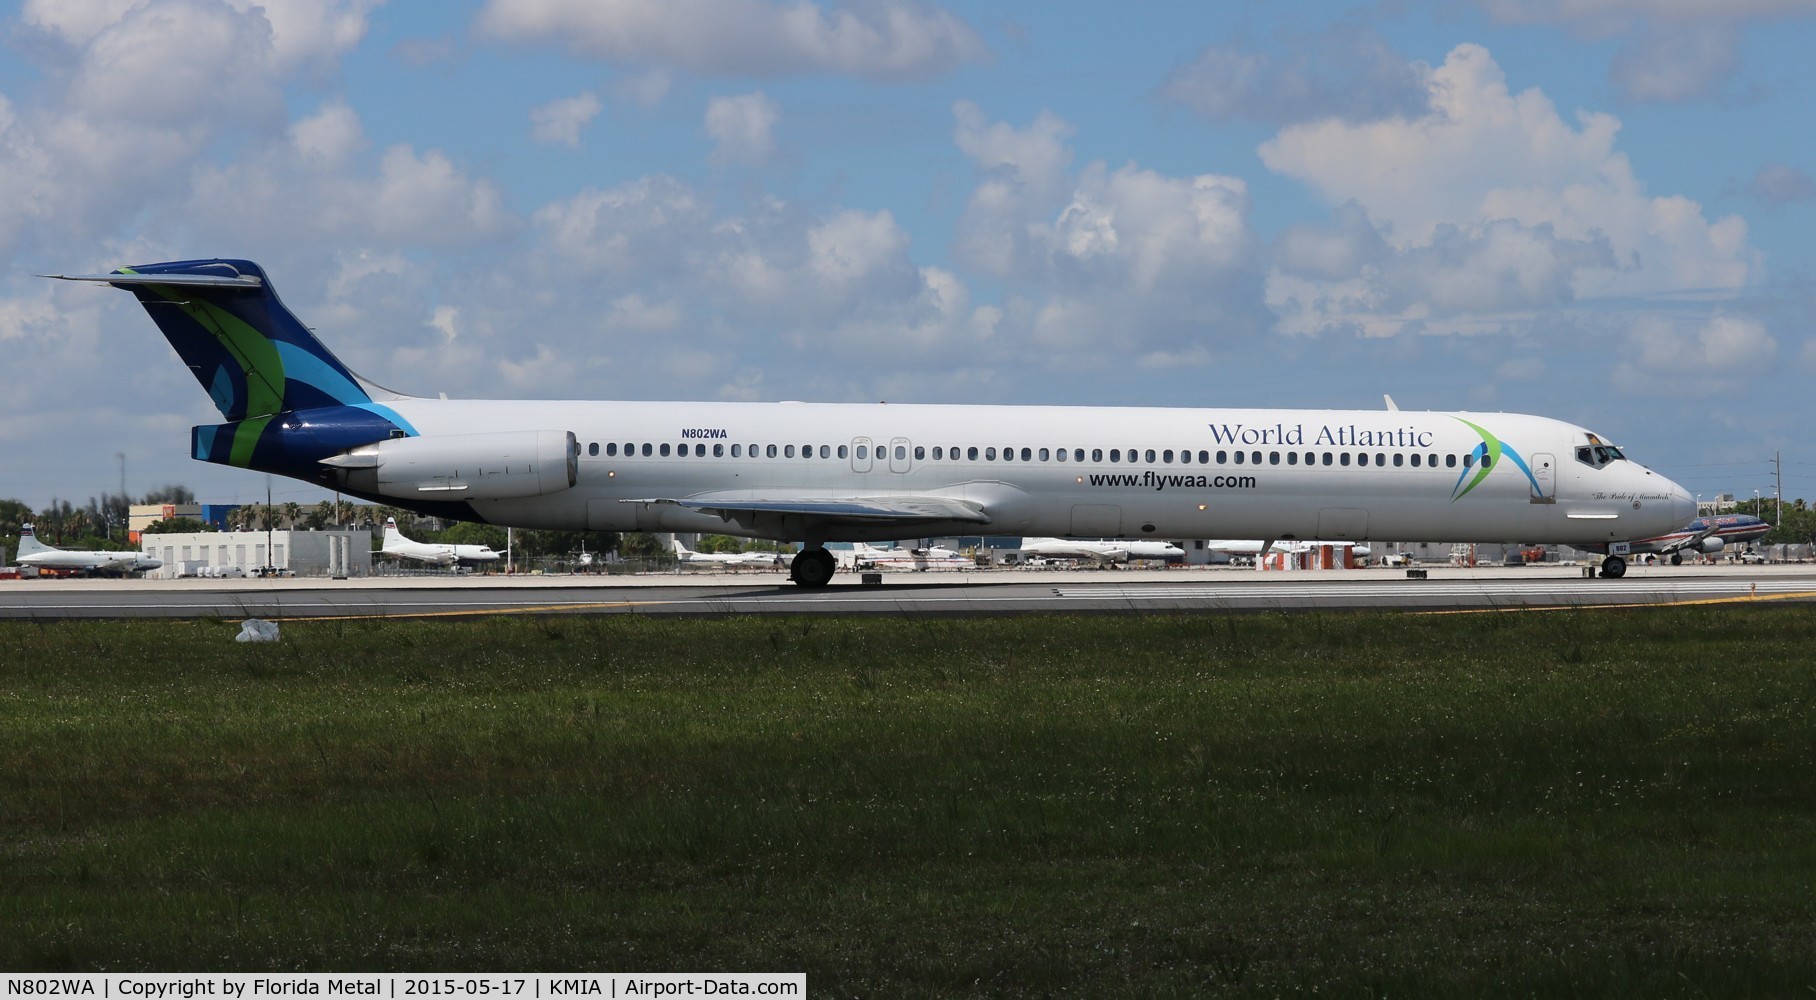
(395, 544)
(932, 557)
(33, 552)
(857, 472)
(749, 560)
(1101, 550)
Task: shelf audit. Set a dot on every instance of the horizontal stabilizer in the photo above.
(248, 281)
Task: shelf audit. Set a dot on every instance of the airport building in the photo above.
(142, 515)
(336, 552)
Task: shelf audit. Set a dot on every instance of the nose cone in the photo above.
(1683, 505)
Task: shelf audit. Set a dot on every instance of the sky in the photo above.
(1596, 210)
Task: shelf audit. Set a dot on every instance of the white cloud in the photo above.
(1491, 202)
(1127, 260)
(883, 39)
(1702, 355)
(1340, 72)
(1677, 63)
(1782, 184)
(328, 139)
(742, 126)
(560, 121)
(302, 34)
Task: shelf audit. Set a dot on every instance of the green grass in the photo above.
(1610, 803)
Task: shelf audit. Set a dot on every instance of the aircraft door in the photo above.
(860, 454)
(1544, 479)
(899, 452)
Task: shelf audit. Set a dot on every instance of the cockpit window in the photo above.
(1597, 455)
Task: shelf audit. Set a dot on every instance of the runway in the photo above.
(1445, 589)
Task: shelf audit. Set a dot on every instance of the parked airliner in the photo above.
(860, 472)
(1707, 535)
(439, 553)
(33, 552)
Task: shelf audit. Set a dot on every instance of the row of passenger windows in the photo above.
(938, 453)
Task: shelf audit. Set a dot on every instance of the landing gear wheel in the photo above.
(1614, 567)
(812, 568)
(1677, 558)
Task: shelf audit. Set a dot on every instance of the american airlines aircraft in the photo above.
(1707, 535)
(818, 472)
(395, 544)
(33, 552)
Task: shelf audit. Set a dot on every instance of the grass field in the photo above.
(1569, 803)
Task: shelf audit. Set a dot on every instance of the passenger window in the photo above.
(844, 451)
(1292, 458)
(1148, 456)
(1115, 454)
(1273, 458)
(1167, 456)
(1362, 458)
(1043, 454)
(919, 453)
(1254, 458)
(1027, 455)
(1078, 454)
(1327, 458)
(611, 449)
(1185, 457)
(1096, 454)
(1204, 458)
(1223, 458)
(699, 451)
(971, 453)
(989, 454)
(1450, 461)
(1487, 462)
(1239, 458)
(769, 451)
(646, 449)
(937, 452)
(825, 451)
(1399, 460)
(718, 451)
(1343, 458)
(737, 451)
(901, 452)
(592, 450)
(1008, 454)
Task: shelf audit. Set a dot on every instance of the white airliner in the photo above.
(1104, 551)
(435, 552)
(814, 473)
(749, 560)
(35, 553)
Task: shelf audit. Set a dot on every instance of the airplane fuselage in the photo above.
(1049, 470)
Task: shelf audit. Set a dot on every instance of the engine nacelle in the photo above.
(1710, 545)
(497, 466)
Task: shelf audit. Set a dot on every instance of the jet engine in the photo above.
(1710, 545)
(495, 466)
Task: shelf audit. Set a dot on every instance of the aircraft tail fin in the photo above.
(252, 356)
(393, 537)
(29, 544)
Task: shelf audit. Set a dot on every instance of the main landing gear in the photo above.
(1614, 567)
(812, 568)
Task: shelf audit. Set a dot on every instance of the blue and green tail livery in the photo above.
(287, 400)
(251, 354)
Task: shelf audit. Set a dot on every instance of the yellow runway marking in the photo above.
(1736, 599)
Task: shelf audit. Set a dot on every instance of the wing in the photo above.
(833, 511)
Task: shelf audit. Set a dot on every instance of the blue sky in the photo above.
(1592, 209)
